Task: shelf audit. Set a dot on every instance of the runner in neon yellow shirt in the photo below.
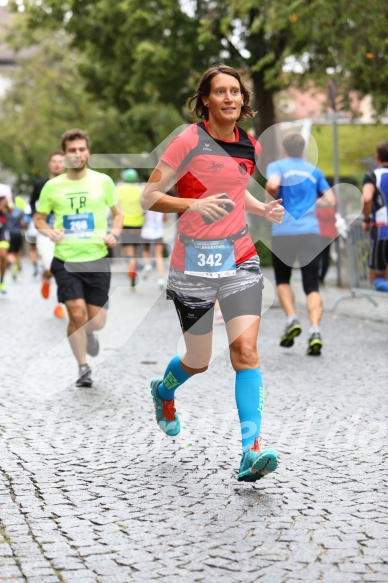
(79, 200)
(80, 210)
(129, 196)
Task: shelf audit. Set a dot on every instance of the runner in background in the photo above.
(78, 199)
(152, 236)
(5, 205)
(129, 195)
(375, 198)
(302, 187)
(15, 226)
(44, 245)
(218, 317)
(328, 230)
(31, 236)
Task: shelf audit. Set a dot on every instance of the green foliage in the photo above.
(355, 144)
(138, 61)
(134, 50)
(348, 38)
(47, 98)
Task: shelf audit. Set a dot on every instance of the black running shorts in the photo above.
(378, 251)
(89, 280)
(304, 248)
(16, 241)
(131, 236)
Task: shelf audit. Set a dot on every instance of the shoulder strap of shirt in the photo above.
(372, 176)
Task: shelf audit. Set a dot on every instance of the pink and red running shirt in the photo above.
(205, 167)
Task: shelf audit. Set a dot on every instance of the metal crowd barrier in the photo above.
(357, 244)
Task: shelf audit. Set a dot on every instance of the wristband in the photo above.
(366, 220)
(116, 237)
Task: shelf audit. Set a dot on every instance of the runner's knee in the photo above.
(98, 322)
(243, 354)
(77, 314)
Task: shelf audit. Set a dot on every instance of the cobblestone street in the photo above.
(92, 491)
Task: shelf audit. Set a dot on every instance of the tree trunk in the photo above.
(265, 106)
(264, 103)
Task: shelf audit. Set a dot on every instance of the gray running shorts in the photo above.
(202, 292)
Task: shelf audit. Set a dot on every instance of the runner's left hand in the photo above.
(274, 211)
(110, 241)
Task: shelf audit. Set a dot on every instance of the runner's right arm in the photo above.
(44, 207)
(327, 199)
(154, 197)
(273, 185)
(368, 191)
(55, 235)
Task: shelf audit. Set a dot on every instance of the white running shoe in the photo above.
(145, 271)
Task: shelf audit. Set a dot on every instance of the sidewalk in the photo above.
(91, 491)
(357, 307)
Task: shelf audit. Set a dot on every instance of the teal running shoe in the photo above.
(291, 331)
(165, 412)
(257, 463)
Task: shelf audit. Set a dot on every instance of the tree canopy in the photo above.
(46, 98)
(152, 51)
(125, 69)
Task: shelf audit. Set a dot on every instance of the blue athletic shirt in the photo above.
(301, 185)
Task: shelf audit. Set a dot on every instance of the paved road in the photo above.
(92, 491)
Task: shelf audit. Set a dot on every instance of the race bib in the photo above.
(79, 226)
(210, 258)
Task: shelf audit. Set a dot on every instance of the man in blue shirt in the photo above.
(302, 187)
(375, 198)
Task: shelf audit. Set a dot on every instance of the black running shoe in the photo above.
(84, 376)
(291, 331)
(92, 345)
(315, 345)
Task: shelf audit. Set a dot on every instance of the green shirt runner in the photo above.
(79, 207)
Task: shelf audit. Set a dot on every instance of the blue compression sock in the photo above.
(174, 377)
(249, 400)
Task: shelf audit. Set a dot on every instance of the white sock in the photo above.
(290, 319)
(314, 329)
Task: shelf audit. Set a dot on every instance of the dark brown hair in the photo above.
(72, 135)
(56, 153)
(382, 151)
(294, 144)
(195, 102)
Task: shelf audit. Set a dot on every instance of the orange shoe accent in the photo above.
(45, 289)
(59, 312)
(132, 278)
(168, 410)
(257, 444)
